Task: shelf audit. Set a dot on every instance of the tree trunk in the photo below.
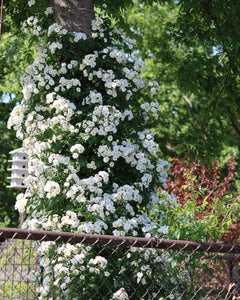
(74, 15)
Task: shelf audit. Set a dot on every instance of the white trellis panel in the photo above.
(19, 169)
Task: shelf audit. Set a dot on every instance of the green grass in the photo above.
(17, 259)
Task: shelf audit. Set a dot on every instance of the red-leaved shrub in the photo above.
(193, 181)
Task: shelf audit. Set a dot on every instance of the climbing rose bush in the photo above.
(93, 163)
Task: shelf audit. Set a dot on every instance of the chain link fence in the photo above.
(180, 269)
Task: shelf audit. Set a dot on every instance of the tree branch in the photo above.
(215, 103)
(233, 121)
(188, 100)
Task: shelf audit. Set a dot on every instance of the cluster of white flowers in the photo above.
(48, 11)
(154, 108)
(76, 150)
(79, 36)
(57, 29)
(32, 23)
(121, 294)
(17, 118)
(21, 203)
(31, 2)
(105, 120)
(52, 188)
(85, 158)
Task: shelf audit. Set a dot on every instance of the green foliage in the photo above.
(8, 141)
(184, 223)
(206, 205)
(16, 12)
(14, 52)
(192, 50)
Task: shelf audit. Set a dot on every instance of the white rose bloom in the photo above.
(21, 203)
(121, 294)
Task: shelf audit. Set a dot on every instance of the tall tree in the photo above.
(192, 48)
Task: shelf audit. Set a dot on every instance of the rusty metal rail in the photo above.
(74, 238)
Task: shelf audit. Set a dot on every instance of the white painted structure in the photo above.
(19, 169)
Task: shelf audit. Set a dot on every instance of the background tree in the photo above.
(13, 51)
(192, 48)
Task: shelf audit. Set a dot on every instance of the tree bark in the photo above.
(74, 15)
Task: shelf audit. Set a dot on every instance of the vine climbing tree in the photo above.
(93, 164)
